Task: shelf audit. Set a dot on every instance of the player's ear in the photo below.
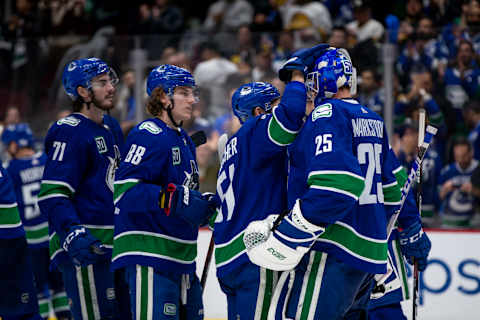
(83, 92)
(258, 111)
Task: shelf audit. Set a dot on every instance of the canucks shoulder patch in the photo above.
(150, 127)
(71, 121)
(323, 111)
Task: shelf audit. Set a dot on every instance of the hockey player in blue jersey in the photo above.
(19, 299)
(340, 181)
(252, 180)
(158, 208)
(26, 171)
(392, 288)
(77, 190)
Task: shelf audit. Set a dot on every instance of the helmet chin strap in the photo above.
(170, 115)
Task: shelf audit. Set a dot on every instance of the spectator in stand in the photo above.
(263, 64)
(266, 17)
(455, 189)
(420, 96)
(423, 51)
(125, 98)
(166, 18)
(431, 166)
(12, 116)
(462, 80)
(244, 48)
(364, 27)
(211, 74)
(69, 17)
(228, 15)
(338, 38)
(369, 92)
(283, 50)
(472, 30)
(472, 117)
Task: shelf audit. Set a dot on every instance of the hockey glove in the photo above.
(415, 243)
(82, 247)
(283, 248)
(301, 60)
(187, 204)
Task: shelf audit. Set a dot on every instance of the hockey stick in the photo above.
(222, 142)
(421, 131)
(422, 149)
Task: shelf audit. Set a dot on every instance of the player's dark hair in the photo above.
(154, 105)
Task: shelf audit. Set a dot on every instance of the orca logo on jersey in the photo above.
(150, 127)
(323, 111)
(71, 121)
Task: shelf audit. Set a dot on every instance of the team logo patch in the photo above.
(101, 144)
(71, 121)
(150, 127)
(169, 309)
(110, 294)
(176, 156)
(245, 91)
(25, 297)
(323, 111)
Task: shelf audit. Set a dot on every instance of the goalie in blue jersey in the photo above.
(158, 207)
(340, 182)
(252, 180)
(77, 190)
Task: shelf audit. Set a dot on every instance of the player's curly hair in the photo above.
(154, 105)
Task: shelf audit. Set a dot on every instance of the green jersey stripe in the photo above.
(278, 134)
(154, 245)
(225, 253)
(51, 188)
(120, 187)
(361, 247)
(342, 182)
(9, 217)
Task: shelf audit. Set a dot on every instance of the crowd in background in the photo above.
(226, 43)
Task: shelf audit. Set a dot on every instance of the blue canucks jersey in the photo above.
(154, 156)
(77, 185)
(10, 223)
(26, 174)
(474, 138)
(459, 90)
(252, 180)
(458, 207)
(340, 170)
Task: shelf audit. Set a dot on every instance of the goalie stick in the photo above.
(222, 142)
(421, 137)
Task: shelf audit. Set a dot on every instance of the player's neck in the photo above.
(343, 93)
(93, 113)
(165, 118)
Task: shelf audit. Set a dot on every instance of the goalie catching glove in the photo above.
(282, 248)
(415, 243)
(83, 248)
(187, 204)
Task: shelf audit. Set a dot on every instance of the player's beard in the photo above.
(103, 105)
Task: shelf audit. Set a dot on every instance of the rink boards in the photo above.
(449, 287)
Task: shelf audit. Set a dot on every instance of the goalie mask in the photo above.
(333, 70)
(251, 95)
(79, 73)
